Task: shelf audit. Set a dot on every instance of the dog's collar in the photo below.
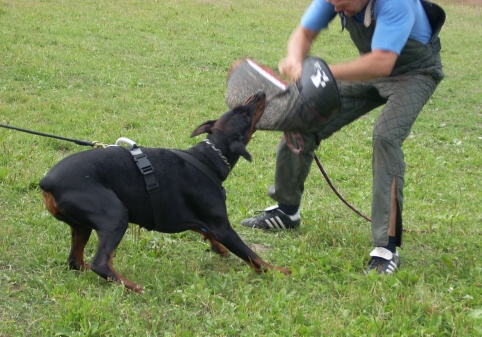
(220, 154)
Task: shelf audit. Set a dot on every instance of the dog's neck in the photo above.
(218, 151)
(212, 157)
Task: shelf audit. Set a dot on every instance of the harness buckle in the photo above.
(147, 171)
(143, 163)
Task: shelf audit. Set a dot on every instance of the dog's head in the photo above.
(237, 125)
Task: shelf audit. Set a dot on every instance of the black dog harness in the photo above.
(152, 186)
(147, 170)
(203, 168)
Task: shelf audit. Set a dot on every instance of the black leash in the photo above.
(336, 192)
(76, 141)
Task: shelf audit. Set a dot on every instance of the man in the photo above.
(399, 67)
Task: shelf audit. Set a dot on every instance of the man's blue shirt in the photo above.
(396, 22)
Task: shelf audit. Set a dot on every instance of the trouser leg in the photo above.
(388, 168)
(292, 167)
(406, 95)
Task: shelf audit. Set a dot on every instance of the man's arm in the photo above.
(299, 46)
(376, 64)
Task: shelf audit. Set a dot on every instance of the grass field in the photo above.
(154, 70)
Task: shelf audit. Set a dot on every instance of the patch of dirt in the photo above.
(258, 248)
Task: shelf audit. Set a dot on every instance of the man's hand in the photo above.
(299, 46)
(291, 68)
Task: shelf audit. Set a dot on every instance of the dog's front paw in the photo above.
(283, 270)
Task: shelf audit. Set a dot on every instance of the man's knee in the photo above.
(388, 156)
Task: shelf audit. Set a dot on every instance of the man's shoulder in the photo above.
(387, 6)
(318, 15)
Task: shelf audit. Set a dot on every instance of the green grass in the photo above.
(152, 71)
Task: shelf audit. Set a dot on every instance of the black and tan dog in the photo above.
(103, 190)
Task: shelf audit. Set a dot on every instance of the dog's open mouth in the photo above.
(259, 101)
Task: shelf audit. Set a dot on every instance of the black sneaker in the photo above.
(273, 219)
(383, 261)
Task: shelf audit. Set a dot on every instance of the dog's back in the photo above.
(109, 175)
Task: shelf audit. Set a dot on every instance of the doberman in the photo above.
(103, 190)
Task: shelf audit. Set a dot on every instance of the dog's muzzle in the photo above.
(304, 106)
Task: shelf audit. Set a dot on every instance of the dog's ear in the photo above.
(238, 147)
(205, 127)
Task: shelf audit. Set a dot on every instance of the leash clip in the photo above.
(123, 140)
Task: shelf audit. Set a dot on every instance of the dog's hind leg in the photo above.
(111, 227)
(80, 237)
(102, 211)
(109, 238)
(80, 234)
